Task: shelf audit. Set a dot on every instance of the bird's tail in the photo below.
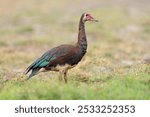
(34, 69)
(33, 73)
(26, 71)
(31, 67)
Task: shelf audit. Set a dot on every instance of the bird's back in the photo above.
(65, 54)
(61, 55)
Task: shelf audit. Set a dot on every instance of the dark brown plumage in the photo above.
(63, 57)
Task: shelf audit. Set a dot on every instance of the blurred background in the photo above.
(117, 45)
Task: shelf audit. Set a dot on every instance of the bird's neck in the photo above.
(82, 42)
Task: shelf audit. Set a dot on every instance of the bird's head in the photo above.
(87, 17)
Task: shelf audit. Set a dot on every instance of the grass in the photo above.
(109, 87)
(112, 68)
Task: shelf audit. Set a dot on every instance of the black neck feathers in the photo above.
(82, 42)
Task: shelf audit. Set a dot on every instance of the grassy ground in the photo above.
(113, 67)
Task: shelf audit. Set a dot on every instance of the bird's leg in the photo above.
(65, 76)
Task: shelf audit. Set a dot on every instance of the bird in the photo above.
(63, 57)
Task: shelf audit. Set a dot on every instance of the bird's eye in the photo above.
(86, 14)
